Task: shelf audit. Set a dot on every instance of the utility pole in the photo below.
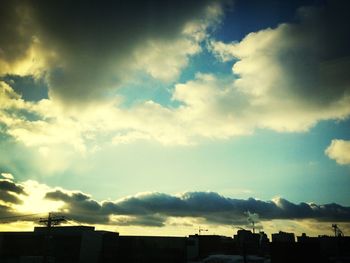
(338, 234)
(337, 231)
(49, 222)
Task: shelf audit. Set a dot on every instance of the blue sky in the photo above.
(242, 99)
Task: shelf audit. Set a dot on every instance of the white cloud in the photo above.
(339, 150)
(164, 59)
(293, 76)
(129, 137)
(281, 82)
(211, 108)
(7, 176)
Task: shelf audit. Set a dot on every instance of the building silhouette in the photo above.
(60, 244)
(84, 244)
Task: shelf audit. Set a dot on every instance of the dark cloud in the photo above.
(89, 46)
(6, 213)
(141, 220)
(15, 31)
(9, 197)
(318, 57)
(9, 191)
(8, 185)
(154, 208)
(157, 202)
(80, 206)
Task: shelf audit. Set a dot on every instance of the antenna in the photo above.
(252, 218)
(337, 231)
(49, 222)
(200, 230)
(52, 220)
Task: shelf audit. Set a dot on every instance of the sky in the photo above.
(163, 117)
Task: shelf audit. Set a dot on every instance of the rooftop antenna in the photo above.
(200, 230)
(337, 231)
(52, 220)
(252, 218)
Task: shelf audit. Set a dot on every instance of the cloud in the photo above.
(6, 212)
(56, 129)
(154, 208)
(9, 190)
(79, 206)
(159, 209)
(9, 186)
(129, 137)
(165, 58)
(97, 47)
(140, 220)
(296, 74)
(19, 201)
(51, 125)
(285, 79)
(212, 108)
(10, 193)
(7, 176)
(339, 150)
(18, 46)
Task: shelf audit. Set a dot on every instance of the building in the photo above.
(150, 249)
(59, 244)
(330, 248)
(83, 244)
(249, 243)
(202, 246)
(283, 237)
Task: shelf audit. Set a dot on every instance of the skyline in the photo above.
(160, 116)
(154, 213)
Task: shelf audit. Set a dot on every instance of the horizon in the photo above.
(67, 223)
(163, 117)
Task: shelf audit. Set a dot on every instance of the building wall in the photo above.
(206, 245)
(59, 245)
(90, 247)
(140, 249)
(283, 237)
(192, 248)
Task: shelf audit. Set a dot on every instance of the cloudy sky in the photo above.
(160, 117)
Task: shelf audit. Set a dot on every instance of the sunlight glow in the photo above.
(35, 202)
